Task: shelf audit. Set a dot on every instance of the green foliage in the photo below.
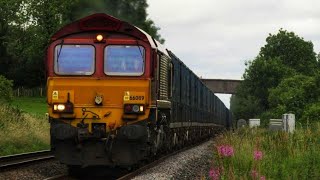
(5, 90)
(244, 106)
(294, 94)
(261, 75)
(292, 50)
(284, 156)
(8, 9)
(282, 78)
(133, 11)
(311, 113)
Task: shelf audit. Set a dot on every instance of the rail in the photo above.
(18, 160)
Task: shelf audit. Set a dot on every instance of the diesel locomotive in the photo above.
(117, 97)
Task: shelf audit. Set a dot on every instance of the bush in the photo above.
(275, 113)
(6, 92)
(311, 113)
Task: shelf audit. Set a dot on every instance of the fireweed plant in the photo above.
(260, 154)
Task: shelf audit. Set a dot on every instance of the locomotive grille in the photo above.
(164, 77)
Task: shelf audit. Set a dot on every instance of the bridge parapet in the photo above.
(224, 86)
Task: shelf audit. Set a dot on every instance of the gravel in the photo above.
(191, 164)
(36, 171)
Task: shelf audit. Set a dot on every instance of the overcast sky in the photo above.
(214, 38)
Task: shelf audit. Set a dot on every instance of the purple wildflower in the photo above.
(254, 174)
(226, 150)
(257, 155)
(214, 173)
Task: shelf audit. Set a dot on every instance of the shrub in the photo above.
(311, 113)
(6, 92)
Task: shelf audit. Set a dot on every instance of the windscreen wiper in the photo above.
(58, 55)
(140, 50)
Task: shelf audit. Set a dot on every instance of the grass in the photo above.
(23, 126)
(31, 105)
(260, 154)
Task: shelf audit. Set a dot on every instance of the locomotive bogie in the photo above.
(122, 147)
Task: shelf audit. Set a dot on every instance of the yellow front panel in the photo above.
(82, 92)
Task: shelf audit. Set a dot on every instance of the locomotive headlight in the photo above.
(99, 37)
(141, 108)
(135, 108)
(61, 107)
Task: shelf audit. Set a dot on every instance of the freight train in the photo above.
(116, 97)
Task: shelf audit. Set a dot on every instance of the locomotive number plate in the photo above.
(136, 97)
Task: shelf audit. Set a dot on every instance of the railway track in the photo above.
(130, 175)
(18, 160)
(154, 163)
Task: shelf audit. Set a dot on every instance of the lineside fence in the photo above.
(30, 92)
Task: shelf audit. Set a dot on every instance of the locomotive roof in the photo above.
(104, 22)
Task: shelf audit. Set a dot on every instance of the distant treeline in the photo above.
(26, 27)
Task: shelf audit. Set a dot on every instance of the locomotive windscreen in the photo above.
(124, 60)
(74, 60)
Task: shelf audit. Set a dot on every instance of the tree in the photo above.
(292, 50)
(285, 55)
(294, 93)
(244, 106)
(30, 27)
(299, 94)
(4, 62)
(133, 11)
(8, 9)
(311, 112)
(261, 75)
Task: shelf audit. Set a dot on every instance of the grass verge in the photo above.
(260, 154)
(22, 132)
